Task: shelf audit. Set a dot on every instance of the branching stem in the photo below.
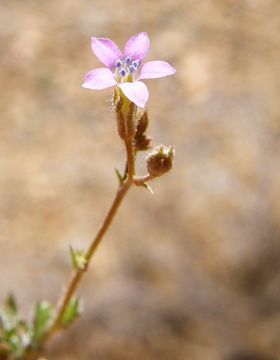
(77, 274)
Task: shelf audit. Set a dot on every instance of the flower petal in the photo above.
(156, 69)
(136, 92)
(137, 46)
(106, 51)
(98, 79)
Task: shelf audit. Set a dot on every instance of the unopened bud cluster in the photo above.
(160, 160)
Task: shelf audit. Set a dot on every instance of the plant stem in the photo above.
(140, 180)
(77, 274)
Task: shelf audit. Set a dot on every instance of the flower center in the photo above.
(126, 69)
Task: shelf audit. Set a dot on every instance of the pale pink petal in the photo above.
(136, 91)
(98, 79)
(106, 51)
(137, 46)
(156, 69)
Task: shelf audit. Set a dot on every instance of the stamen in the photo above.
(135, 63)
(132, 69)
(123, 72)
(118, 64)
(127, 60)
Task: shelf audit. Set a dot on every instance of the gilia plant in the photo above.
(124, 72)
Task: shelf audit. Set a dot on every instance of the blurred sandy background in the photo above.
(192, 272)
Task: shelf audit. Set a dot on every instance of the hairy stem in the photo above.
(77, 274)
(140, 180)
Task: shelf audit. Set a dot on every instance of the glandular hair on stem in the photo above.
(121, 119)
(131, 125)
(126, 119)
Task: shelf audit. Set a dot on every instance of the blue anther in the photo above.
(127, 60)
(135, 63)
(122, 72)
(118, 63)
(132, 69)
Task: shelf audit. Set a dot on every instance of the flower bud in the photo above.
(141, 140)
(142, 124)
(160, 160)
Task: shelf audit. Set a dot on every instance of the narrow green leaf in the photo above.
(8, 314)
(42, 318)
(72, 312)
(11, 305)
(78, 258)
(119, 176)
(147, 186)
(15, 333)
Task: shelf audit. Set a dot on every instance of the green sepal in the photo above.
(72, 312)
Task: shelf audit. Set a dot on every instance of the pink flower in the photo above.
(125, 70)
